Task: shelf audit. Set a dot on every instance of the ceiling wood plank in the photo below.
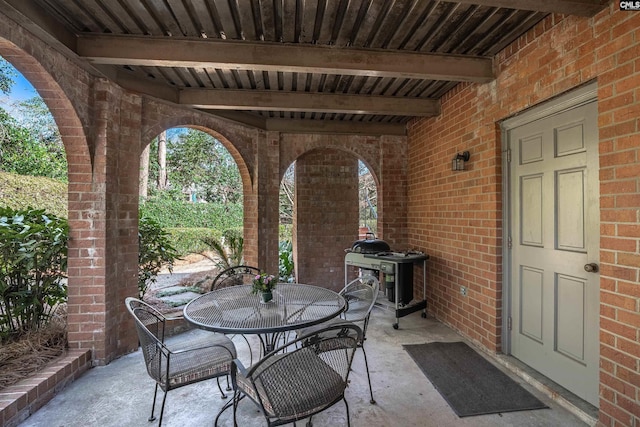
(296, 101)
(170, 52)
(567, 7)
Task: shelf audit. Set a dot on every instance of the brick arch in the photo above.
(239, 154)
(355, 153)
(68, 105)
(245, 172)
(385, 156)
(367, 153)
(188, 121)
(62, 109)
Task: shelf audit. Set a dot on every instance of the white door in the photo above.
(554, 203)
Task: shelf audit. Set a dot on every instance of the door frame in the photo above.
(575, 98)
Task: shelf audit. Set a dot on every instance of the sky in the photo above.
(20, 91)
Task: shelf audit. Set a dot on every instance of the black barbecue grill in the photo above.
(374, 256)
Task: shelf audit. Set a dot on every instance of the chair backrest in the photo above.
(238, 275)
(306, 375)
(361, 294)
(150, 325)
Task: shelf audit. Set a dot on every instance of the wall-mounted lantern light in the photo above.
(457, 163)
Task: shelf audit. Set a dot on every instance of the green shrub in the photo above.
(170, 213)
(154, 252)
(33, 265)
(23, 191)
(189, 240)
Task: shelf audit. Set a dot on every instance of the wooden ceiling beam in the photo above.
(261, 100)
(334, 127)
(157, 90)
(586, 8)
(227, 54)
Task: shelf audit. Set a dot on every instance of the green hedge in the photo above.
(179, 214)
(188, 240)
(23, 191)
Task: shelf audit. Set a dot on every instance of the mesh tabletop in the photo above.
(237, 310)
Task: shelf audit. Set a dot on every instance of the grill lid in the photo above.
(370, 245)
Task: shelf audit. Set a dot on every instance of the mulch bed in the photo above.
(25, 356)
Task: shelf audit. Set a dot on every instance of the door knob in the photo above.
(592, 267)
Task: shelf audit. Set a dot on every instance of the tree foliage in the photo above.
(197, 163)
(30, 143)
(28, 151)
(368, 198)
(287, 187)
(7, 73)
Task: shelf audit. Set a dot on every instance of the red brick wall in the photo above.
(457, 217)
(326, 215)
(385, 156)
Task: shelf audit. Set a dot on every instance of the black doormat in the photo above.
(468, 382)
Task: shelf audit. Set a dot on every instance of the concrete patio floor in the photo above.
(120, 393)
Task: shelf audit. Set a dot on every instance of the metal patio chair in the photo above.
(238, 275)
(185, 359)
(361, 294)
(301, 378)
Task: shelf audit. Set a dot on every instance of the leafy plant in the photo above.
(154, 252)
(228, 249)
(285, 261)
(33, 264)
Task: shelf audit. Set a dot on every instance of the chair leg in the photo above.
(164, 399)
(366, 364)
(224, 408)
(224, 396)
(236, 400)
(153, 406)
(346, 405)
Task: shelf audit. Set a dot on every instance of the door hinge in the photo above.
(509, 242)
(508, 155)
(509, 323)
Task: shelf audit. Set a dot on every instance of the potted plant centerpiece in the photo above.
(263, 285)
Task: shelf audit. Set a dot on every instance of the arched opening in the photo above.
(334, 199)
(191, 186)
(35, 182)
(367, 201)
(286, 264)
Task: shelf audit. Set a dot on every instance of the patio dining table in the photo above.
(235, 310)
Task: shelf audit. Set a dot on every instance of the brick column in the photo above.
(325, 215)
(392, 192)
(104, 210)
(267, 191)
